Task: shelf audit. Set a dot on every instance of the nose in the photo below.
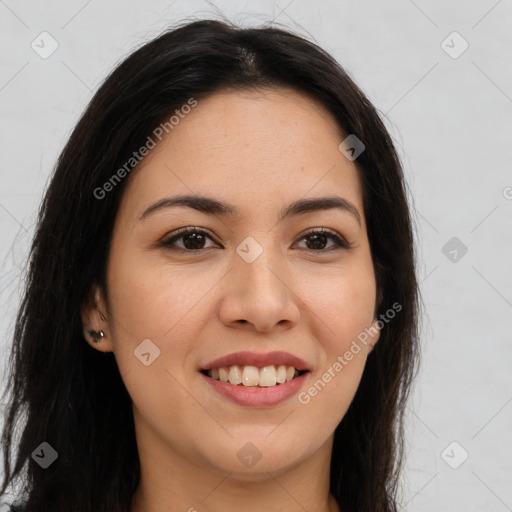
(258, 296)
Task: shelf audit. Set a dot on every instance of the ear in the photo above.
(94, 318)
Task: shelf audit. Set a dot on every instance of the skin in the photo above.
(258, 151)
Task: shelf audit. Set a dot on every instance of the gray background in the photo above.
(450, 118)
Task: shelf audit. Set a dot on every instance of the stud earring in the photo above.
(96, 336)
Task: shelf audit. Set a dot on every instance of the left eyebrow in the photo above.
(303, 206)
(212, 206)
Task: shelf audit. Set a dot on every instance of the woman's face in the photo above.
(250, 286)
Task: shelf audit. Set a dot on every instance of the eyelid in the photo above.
(338, 239)
(178, 233)
(334, 234)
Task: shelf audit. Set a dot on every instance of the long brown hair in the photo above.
(72, 396)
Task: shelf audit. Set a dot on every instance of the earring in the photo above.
(96, 336)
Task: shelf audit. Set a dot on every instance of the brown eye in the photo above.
(318, 239)
(193, 239)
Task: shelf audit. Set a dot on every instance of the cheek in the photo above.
(331, 392)
(341, 309)
(154, 300)
(149, 302)
(342, 304)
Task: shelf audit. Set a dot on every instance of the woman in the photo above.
(221, 309)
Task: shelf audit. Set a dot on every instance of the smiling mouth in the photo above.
(253, 376)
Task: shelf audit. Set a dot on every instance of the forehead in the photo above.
(248, 147)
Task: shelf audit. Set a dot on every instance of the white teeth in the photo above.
(267, 376)
(250, 376)
(281, 374)
(235, 375)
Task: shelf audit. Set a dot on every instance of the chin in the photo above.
(250, 458)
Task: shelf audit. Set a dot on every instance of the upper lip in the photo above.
(258, 359)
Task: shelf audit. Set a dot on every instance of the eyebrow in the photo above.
(212, 206)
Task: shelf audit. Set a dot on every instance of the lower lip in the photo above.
(255, 396)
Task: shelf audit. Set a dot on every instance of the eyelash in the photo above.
(167, 243)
